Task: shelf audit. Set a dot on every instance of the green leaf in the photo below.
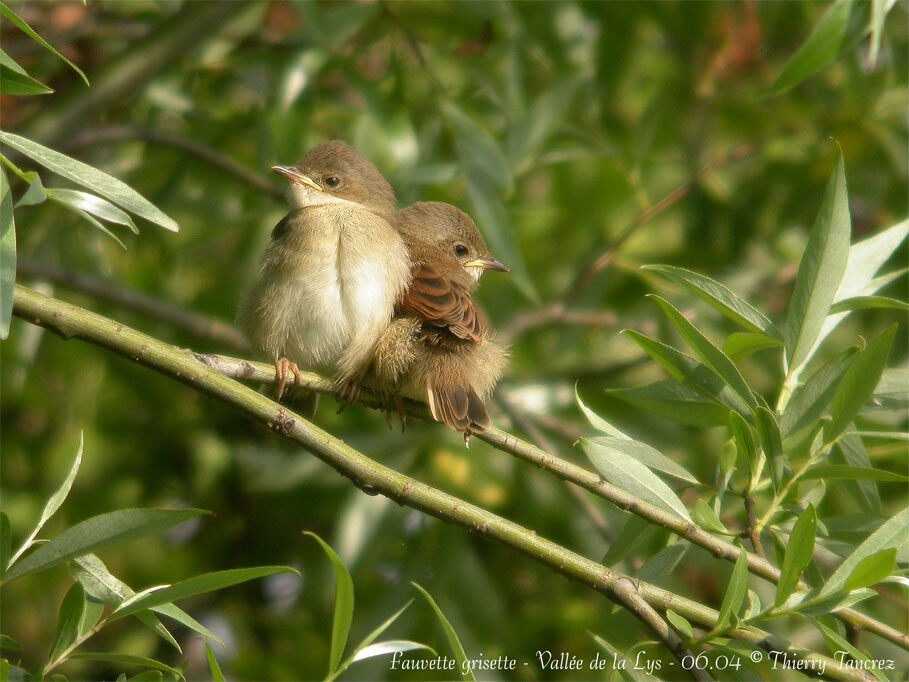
(850, 449)
(818, 51)
(629, 474)
(14, 83)
(865, 259)
(101, 584)
(96, 206)
(35, 194)
(744, 442)
(709, 354)
(810, 400)
(87, 216)
(836, 643)
(453, 640)
(858, 383)
(892, 391)
(798, 555)
(771, 441)
(91, 614)
(54, 502)
(596, 421)
(671, 400)
(98, 181)
(389, 647)
(844, 471)
(868, 303)
(27, 30)
(129, 659)
(892, 533)
(200, 584)
(662, 564)
(369, 639)
(706, 518)
(68, 620)
(344, 604)
(821, 270)
(735, 593)
(682, 626)
(720, 298)
(213, 667)
(105, 530)
(147, 676)
(879, 10)
(871, 570)
(812, 603)
(647, 456)
(752, 604)
(7, 255)
(690, 373)
(740, 345)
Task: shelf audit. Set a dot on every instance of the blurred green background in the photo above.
(556, 126)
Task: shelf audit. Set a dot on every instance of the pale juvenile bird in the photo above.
(333, 272)
(439, 349)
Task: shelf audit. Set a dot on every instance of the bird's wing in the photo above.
(441, 302)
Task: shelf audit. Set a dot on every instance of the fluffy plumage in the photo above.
(439, 348)
(334, 270)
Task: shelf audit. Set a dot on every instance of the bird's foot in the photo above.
(348, 394)
(283, 367)
(399, 406)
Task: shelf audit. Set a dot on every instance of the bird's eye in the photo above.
(332, 181)
(460, 251)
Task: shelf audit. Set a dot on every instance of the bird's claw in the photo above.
(348, 394)
(283, 366)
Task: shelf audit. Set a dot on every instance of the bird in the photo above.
(333, 272)
(439, 348)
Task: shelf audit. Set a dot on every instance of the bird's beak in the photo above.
(293, 175)
(487, 263)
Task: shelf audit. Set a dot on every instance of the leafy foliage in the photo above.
(586, 139)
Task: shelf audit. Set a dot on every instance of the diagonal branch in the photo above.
(262, 373)
(70, 321)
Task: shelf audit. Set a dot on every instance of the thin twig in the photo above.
(127, 133)
(70, 321)
(117, 294)
(753, 535)
(556, 314)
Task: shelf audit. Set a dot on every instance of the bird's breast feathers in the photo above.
(343, 270)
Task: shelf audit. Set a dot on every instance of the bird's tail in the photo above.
(458, 407)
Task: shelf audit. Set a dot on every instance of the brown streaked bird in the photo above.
(439, 348)
(333, 272)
